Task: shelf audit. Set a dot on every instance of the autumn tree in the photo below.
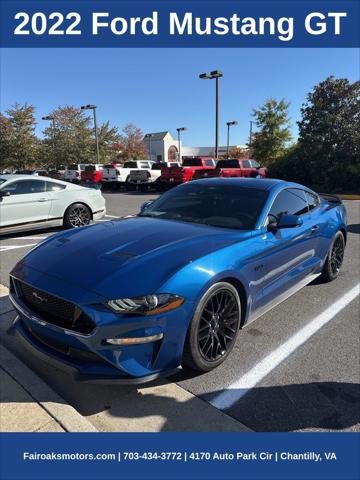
(273, 134)
(132, 144)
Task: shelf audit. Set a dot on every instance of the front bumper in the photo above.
(87, 358)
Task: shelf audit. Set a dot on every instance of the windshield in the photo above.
(192, 162)
(228, 164)
(226, 206)
(130, 165)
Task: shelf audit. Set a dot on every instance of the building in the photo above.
(164, 148)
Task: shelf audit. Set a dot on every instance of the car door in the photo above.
(290, 253)
(27, 202)
(57, 200)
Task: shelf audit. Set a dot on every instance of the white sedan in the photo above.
(28, 203)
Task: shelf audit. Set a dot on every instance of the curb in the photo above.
(65, 415)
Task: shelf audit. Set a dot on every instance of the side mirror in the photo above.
(145, 205)
(289, 221)
(4, 193)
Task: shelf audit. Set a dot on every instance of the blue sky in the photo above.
(159, 89)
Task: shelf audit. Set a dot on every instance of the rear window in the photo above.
(130, 165)
(209, 163)
(90, 168)
(73, 167)
(157, 166)
(192, 162)
(228, 164)
(54, 187)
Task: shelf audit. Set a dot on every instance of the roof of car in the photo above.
(17, 176)
(260, 183)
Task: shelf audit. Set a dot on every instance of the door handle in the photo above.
(315, 228)
(42, 200)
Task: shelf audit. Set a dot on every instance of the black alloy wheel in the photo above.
(334, 259)
(214, 328)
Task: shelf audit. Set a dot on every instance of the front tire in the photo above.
(77, 215)
(334, 259)
(214, 328)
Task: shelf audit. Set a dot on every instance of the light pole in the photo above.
(149, 136)
(229, 124)
(250, 136)
(215, 74)
(52, 120)
(179, 130)
(93, 108)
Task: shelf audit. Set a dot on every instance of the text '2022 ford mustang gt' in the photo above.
(131, 299)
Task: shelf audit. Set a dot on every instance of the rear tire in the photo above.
(214, 328)
(335, 258)
(77, 215)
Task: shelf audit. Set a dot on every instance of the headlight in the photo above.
(147, 305)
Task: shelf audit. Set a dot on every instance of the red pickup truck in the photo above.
(171, 176)
(233, 167)
(92, 174)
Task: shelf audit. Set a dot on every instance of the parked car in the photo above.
(41, 172)
(118, 175)
(131, 299)
(173, 176)
(73, 172)
(233, 167)
(40, 202)
(92, 174)
(24, 172)
(145, 179)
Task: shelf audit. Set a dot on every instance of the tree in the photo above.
(270, 141)
(109, 139)
(237, 152)
(330, 135)
(132, 143)
(18, 144)
(71, 140)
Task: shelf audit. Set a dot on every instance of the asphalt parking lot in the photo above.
(296, 368)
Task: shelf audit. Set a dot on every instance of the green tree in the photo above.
(272, 121)
(71, 140)
(109, 139)
(330, 135)
(19, 145)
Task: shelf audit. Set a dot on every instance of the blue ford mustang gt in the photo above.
(130, 299)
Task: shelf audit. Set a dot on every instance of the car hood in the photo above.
(126, 257)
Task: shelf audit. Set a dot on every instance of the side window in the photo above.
(255, 164)
(246, 164)
(23, 187)
(54, 187)
(289, 202)
(313, 200)
(209, 163)
(144, 164)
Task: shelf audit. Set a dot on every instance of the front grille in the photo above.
(54, 309)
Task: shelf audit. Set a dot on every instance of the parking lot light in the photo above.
(215, 74)
(179, 130)
(93, 108)
(229, 124)
(149, 136)
(51, 119)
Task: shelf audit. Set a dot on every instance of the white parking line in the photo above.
(14, 247)
(240, 387)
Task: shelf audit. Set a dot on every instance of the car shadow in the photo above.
(354, 228)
